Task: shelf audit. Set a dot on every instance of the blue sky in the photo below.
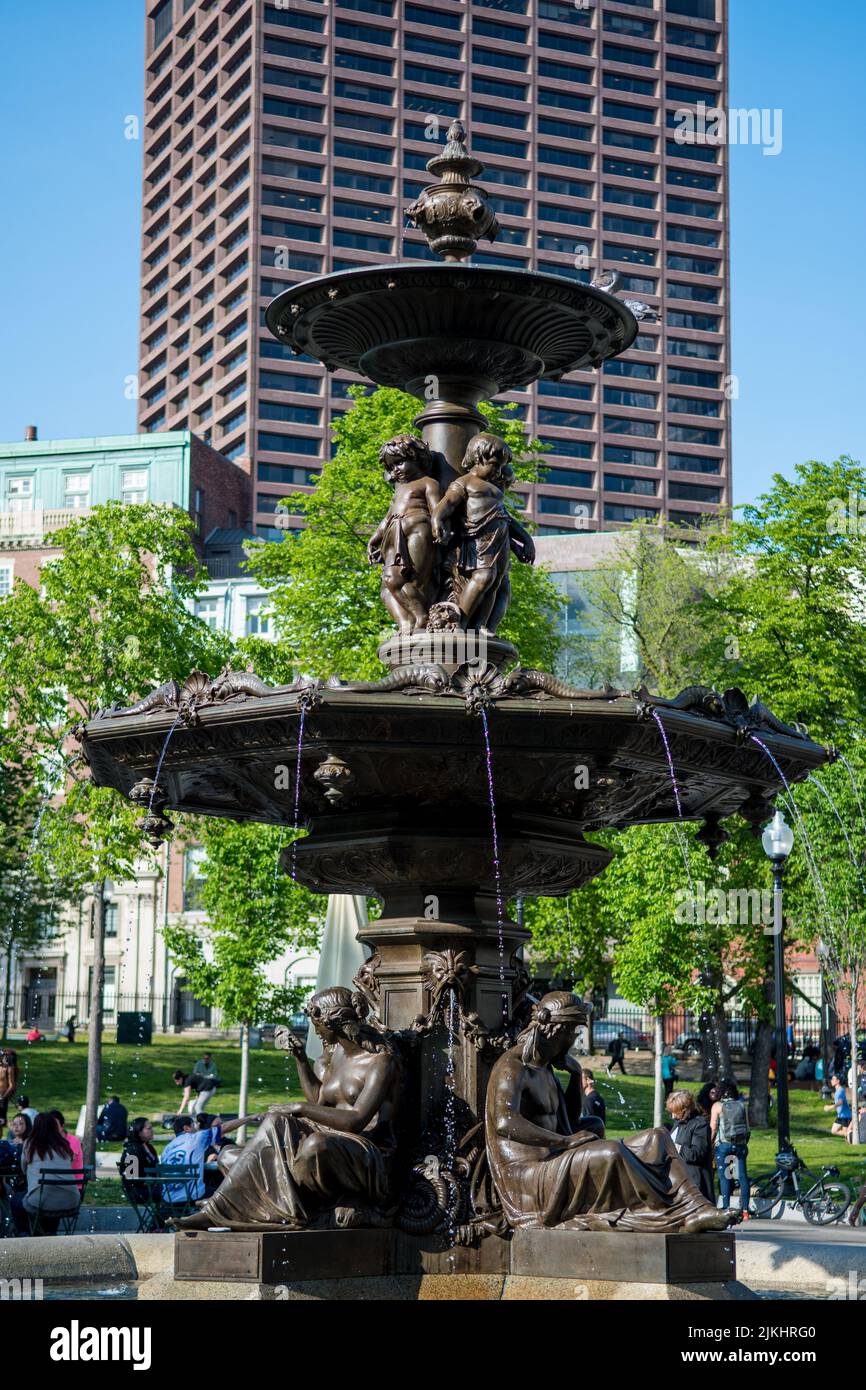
(69, 234)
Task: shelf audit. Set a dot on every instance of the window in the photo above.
(193, 878)
(295, 231)
(363, 33)
(695, 9)
(637, 400)
(6, 577)
(289, 139)
(569, 188)
(362, 62)
(692, 207)
(694, 492)
(625, 24)
(133, 487)
(570, 101)
(681, 347)
(624, 140)
(361, 241)
(699, 235)
(551, 154)
(694, 463)
(289, 198)
(625, 482)
(706, 294)
(623, 111)
(373, 183)
(614, 512)
(629, 197)
(640, 86)
(638, 458)
(695, 265)
(498, 58)
(496, 174)
(563, 72)
(285, 473)
(693, 405)
(632, 254)
(258, 616)
(628, 168)
(690, 178)
(289, 169)
(565, 448)
(161, 20)
(298, 414)
(631, 57)
(564, 43)
(647, 429)
(688, 66)
(706, 153)
(495, 115)
(364, 120)
(439, 48)
(441, 19)
(292, 110)
(76, 491)
(691, 434)
(375, 154)
(576, 390)
(548, 125)
(559, 212)
(288, 444)
(358, 91)
(486, 86)
(111, 916)
(432, 77)
(296, 20)
(208, 611)
(702, 323)
(692, 38)
(490, 29)
(566, 477)
(633, 226)
(645, 371)
(198, 508)
(691, 376)
(563, 506)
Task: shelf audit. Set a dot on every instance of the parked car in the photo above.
(604, 1030)
(741, 1038)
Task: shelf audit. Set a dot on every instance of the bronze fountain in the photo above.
(444, 788)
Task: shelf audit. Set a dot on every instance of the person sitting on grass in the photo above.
(841, 1104)
(112, 1122)
(45, 1150)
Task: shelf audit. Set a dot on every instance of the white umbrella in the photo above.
(342, 954)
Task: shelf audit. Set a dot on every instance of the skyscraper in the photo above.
(285, 139)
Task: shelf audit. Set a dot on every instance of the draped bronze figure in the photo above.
(546, 1175)
(326, 1159)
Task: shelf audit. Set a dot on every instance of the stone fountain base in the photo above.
(531, 1264)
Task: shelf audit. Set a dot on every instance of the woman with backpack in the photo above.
(729, 1126)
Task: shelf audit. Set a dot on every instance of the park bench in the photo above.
(145, 1194)
(47, 1222)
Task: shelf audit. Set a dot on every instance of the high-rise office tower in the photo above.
(284, 140)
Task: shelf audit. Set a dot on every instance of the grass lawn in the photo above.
(53, 1075)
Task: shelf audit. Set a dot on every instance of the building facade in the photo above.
(284, 140)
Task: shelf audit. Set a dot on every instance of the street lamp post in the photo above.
(778, 841)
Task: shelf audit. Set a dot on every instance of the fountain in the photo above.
(444, 788)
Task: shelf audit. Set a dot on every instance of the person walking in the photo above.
(729, 1127)
(690, 1131)
(206, 1067)
(669, 1074)
(841, 1104)
(197, 1090)
(617, 1054)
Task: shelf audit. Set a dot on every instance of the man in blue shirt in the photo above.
(190, 1145)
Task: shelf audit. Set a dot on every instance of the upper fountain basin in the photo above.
(398, 325)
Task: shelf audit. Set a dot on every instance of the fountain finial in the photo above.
(454, 213)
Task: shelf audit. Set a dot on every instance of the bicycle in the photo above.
(824, 1201)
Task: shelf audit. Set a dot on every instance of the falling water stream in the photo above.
(853, 780)
(835, 809)
(160, 762)
(811, 858)
(450, 1153)
(497, 866)
(678, 830)
(296, 813)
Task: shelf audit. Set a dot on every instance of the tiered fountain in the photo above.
(454, 782)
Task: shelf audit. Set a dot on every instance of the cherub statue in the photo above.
(484, 532)
(403, 543)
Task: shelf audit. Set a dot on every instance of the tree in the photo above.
(109, 621)
(253, 913)
(325, 594)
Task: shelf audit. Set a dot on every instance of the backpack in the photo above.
(734, 1122)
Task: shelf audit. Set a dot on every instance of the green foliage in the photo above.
(325, 594)
(788, 623)
(253, 914)
(108, 623)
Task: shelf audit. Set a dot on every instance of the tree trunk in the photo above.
(7, 992)
(94, 1028)
(709, 1055)
(243, 1098)
(658, 1088)
(723, 1046)
(855, 1070)
(759, 1080)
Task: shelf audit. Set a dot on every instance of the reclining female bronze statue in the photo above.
(326, 1159)
(547, 1175)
